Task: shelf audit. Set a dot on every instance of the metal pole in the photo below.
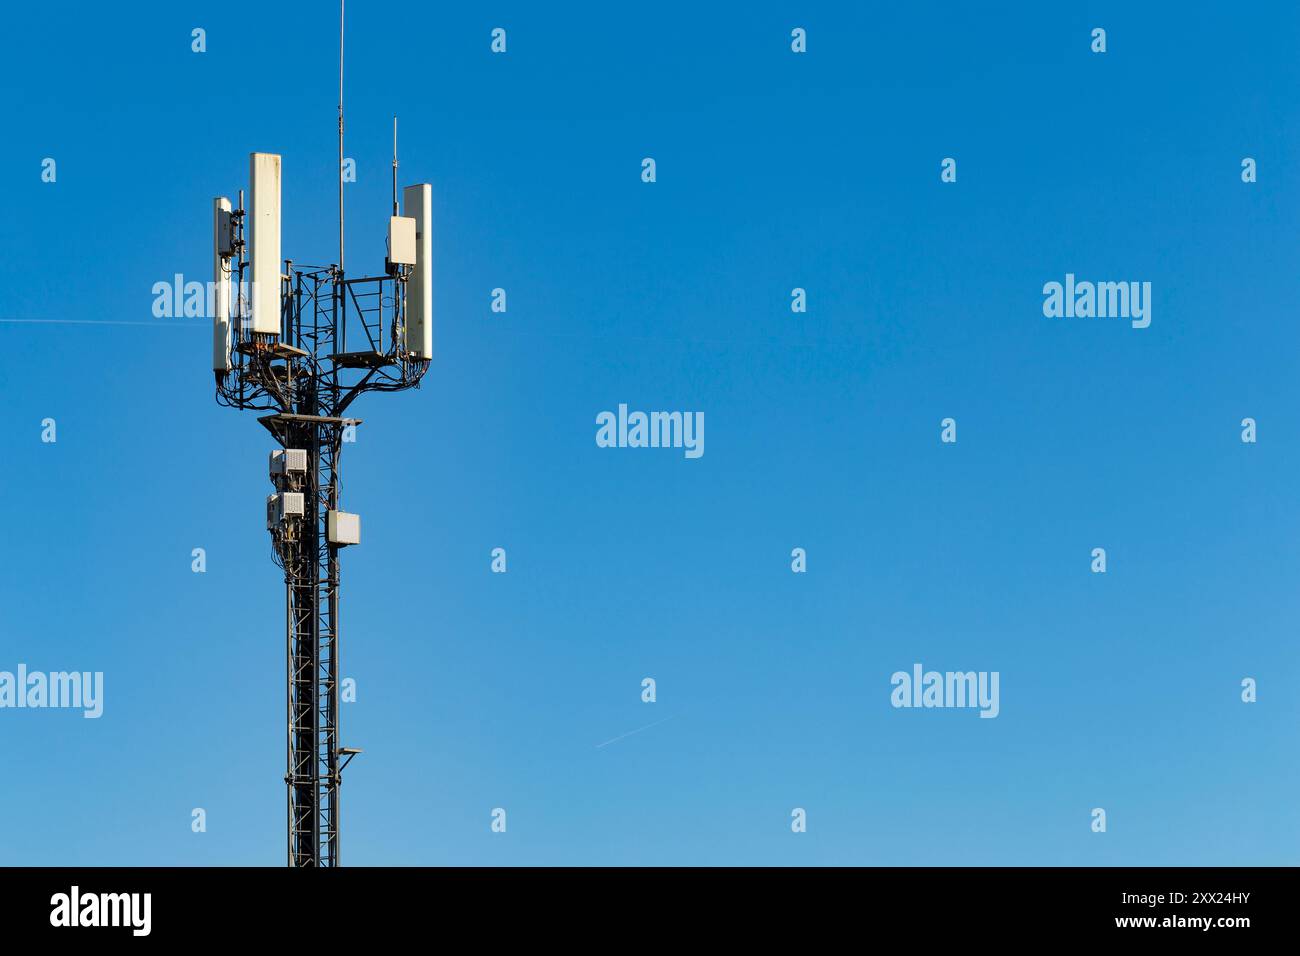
(341, 2)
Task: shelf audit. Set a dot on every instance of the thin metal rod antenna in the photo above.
(340, 170)
(394, 165)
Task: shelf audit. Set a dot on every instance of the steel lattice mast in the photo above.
(281, 346)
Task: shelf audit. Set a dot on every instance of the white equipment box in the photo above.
(344, 528)
(288, 461)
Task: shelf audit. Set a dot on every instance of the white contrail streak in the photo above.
(637, 731)
(159, 324)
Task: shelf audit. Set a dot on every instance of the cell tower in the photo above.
(303, 342)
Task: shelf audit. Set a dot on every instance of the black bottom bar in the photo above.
(658, 907)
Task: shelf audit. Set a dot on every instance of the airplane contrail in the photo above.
(162, 323)
(637, 731)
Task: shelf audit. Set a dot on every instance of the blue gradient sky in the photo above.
(774, 171)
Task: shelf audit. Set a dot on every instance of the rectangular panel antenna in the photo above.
(221, 285)
(264, 213)
(401, 240)
(418, 204)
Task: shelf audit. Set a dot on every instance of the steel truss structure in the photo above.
(307, 379)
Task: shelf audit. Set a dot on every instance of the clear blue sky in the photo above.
(775, 170)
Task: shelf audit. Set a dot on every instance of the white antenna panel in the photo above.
(221, 284)
(417, 202)
(264, 245)
(402, 231)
